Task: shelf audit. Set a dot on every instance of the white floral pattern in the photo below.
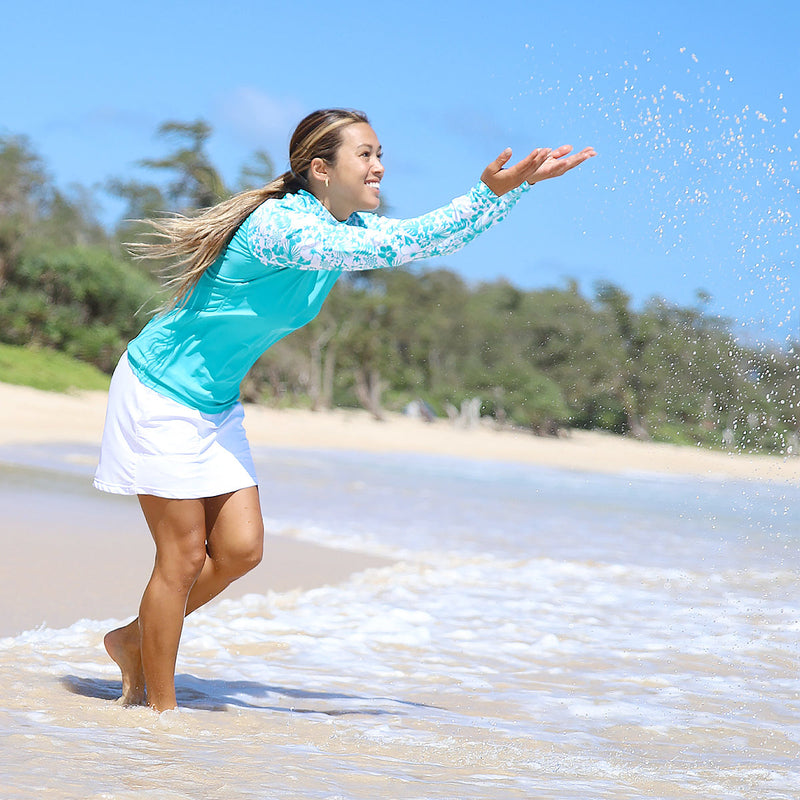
(273, 278)
(297, 231)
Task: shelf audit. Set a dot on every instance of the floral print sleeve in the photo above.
(297, 231)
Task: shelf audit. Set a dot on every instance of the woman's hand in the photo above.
(541, 164)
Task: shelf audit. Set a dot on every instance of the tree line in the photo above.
(547, 359)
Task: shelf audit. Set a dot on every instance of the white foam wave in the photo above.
(440, 655)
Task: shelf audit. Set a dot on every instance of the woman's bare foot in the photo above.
(123, 646)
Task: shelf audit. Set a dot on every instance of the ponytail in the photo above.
(194, 243)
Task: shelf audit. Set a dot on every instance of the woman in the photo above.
(249, 271)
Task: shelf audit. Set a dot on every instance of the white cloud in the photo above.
(258, 118)
(475, 125)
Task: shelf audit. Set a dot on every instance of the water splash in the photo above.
(699, 183)
(710, 181)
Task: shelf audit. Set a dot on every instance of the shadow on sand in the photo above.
(216, 695)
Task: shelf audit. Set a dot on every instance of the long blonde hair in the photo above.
(194, 243)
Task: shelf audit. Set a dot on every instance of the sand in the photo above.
(72, 552)
(32, 416)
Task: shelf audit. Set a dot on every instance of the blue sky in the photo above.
(694, 109)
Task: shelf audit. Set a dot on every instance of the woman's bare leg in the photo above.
(234, 536)
(179, 531)
(234, 543)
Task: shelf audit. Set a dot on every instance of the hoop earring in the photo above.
(327, 183)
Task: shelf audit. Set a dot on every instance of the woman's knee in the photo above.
(178, 528)
(241, 554)
(253, 550)
(194, 559)
(236, 536)
(180, 566)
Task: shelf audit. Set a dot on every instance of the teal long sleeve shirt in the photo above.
(272, 279)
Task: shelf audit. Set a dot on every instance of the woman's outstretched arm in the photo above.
(290, 233)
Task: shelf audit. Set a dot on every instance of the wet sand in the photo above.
(71, 552)
(564, 658)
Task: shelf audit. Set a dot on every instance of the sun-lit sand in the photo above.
(72, 552)
(35, 416)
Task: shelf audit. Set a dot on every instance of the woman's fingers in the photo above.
(532, 162)
(492, 176)
(539, 165)
(560, 162)
(501, 179)
(499, 162)
(561, 151)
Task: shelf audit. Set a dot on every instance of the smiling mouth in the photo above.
(374, 184)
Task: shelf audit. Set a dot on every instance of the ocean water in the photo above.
(539, 634)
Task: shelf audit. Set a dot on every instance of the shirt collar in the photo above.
(310, 202)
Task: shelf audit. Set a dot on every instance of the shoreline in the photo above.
(38, 417)
(72, 552)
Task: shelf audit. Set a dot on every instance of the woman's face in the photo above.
(354, 180)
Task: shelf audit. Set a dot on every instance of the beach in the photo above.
(441, 612)
(54, 527)
(46, 417)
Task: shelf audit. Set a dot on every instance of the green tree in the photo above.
(23, 197)
(32, 209)
(256, 172)
(195, 182)
(628, 382)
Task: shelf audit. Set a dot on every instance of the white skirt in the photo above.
(155, 445)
